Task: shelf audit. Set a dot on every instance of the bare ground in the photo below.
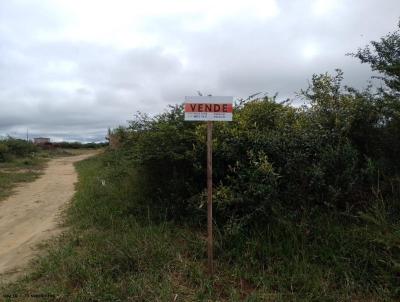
(32, 214)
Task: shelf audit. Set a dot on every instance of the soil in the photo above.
(32, 215)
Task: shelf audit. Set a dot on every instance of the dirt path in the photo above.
(31, 214)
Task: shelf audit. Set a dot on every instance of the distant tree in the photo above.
(384, 57)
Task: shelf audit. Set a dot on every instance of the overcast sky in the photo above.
(71, 68)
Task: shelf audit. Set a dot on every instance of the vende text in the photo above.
(208, 107)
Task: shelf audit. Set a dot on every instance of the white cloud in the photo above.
(310, 51)
(325, 7)
(122, 22)
(72, 68)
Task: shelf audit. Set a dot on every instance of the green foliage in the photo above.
(78, 145)
(111, 253)
(18, 170)
(4, 153)
(163, 150)
(294, 187)
(271, 155)
(15, 148)
(384, 57)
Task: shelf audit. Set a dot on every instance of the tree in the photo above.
(384, 57)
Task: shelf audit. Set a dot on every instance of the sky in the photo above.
(70, 69)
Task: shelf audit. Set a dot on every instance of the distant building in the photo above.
(41, 140)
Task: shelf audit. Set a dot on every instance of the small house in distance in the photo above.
(41, 140)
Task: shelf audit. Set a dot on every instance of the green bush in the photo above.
(14, 148)
(4, 154)
(294, 185)
(271, 155)
(79, 145)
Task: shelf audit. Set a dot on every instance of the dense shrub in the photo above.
(304, 187)
(79, 145)
(4, 154)
(320, 183)
(12, 147)
(272, 154)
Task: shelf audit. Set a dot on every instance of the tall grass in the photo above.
(111, 253)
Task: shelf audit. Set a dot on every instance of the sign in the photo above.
(208, 108)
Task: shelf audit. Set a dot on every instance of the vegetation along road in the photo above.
(31, 214)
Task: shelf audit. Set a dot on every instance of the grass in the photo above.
(19, 171)
(22, 170)
(111, 254)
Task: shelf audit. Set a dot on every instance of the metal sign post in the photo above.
(209, 108)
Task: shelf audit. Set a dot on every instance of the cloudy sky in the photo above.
(71, 68)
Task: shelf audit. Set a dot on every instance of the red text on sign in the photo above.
(208, 107)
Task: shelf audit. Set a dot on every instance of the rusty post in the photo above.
(209, 199)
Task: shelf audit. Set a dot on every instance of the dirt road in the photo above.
(32, 214)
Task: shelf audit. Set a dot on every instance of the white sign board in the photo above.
(208, 108)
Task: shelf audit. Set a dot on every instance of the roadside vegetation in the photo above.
(79, 145)
(22, 161)
(307, 203)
